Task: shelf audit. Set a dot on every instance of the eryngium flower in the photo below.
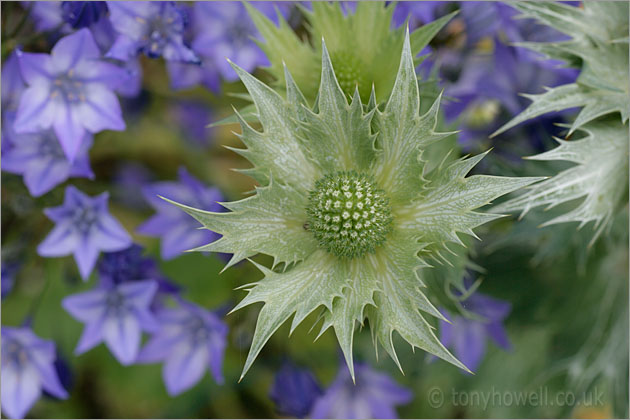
(337, 172)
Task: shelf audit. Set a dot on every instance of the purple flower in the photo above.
(374, 396)
(151, 27)
(83, 227)
(12, 83)
(227, 33)
(178, 231)
(114, 315)
(82, 14)
(193, 117)
(418, 12)
(231, 32)
(69, 90)
(467, 337)
(9, 270)
(294, 391)
(129, 178)
(39, 158)
(485, 98)
(190, 340)
(131, 265)
(27, 368)
(47, 15)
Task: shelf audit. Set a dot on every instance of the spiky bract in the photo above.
(298, 146)
(599, 46)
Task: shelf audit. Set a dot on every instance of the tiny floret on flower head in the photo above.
(27, 368)
(83, 228)
(348, 215)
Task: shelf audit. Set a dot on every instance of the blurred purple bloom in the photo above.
(294, 391)
(486, 99)
(179, 232)
(82, 14)
(47, 15)
(227, 33)
(467, 337)
(185, 76)
(83, 227)
(27, 368)
(193, 118)
(131, 265)
(9, 270)
(151, 27)
(128, 179)
(114, 315)
(39, 158)
(69, 90)
(374, 396)
(419, 12)
(190, 340)
(12, 83)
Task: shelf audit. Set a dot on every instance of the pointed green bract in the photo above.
(340, 169)
(599, 46)
(363, 48)
(600, 177)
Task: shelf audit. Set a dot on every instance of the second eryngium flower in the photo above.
(348, 210)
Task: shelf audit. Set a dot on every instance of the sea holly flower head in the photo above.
(321, 171)
(69, 90)
(177, 230)
(190, 341)
(83, 227)
(28, 367)
(115, 315)
(39, 158)
(375, 395)
(154, 28)
(467, 336)
(363, 53)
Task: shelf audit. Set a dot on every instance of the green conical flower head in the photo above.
(363, 48)
(348, 167)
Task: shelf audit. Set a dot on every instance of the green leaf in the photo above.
(600, 177)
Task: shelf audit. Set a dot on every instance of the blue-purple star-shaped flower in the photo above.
(27, 369)
(190, 340)
(294, 391)
(83, 227)
(467, 337)
(69, 90)
(154, 28)
(39, 158)
(115, 315)
(375, 395)
(178, 231)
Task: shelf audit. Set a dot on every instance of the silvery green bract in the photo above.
(599, 45)
(297, 158)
